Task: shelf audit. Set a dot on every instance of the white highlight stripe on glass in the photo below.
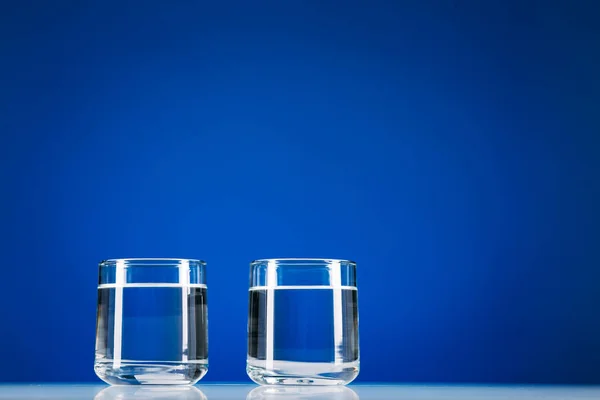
(270, 328)
(184, 279)
(120, 279)
(335, 278)
(299, 287)
(151, 285)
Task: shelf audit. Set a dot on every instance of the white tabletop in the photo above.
(253, 392)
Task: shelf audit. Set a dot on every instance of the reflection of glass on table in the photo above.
(302, 393)
(150, 393)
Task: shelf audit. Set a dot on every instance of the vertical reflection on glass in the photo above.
(150, 393)
(302, 393)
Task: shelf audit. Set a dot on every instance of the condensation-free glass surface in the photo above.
(303, 322)
(151, 322)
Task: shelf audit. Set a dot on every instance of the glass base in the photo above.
(151, 372)
(301, 373)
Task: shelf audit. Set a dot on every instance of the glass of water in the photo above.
(303, 322)
(152, 321)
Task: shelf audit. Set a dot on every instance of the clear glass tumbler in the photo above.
(152, 321)
(303, 322)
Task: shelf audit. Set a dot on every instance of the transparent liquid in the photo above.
(303, 335)
(151, 334)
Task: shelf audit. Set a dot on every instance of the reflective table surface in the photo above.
(253, 392)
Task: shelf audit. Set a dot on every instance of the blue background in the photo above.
(451, 148)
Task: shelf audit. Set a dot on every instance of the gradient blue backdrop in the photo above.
(449, 147)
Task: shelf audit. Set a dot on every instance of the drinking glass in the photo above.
(151, 321)
(303, 322)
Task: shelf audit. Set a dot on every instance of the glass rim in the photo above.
(152, 262)
(302, 261)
